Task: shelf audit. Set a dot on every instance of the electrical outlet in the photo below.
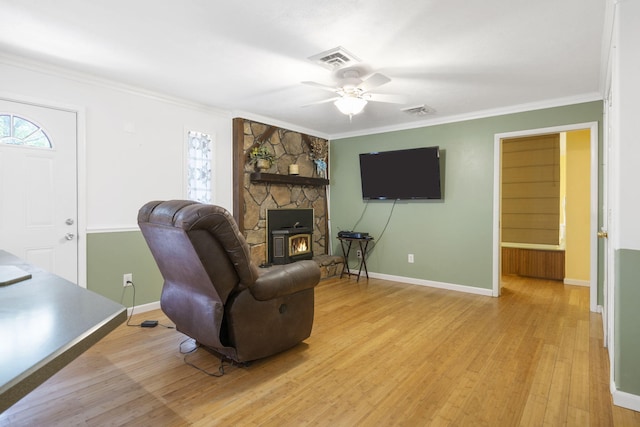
(359, 253)
(127, 279)
(410, 259)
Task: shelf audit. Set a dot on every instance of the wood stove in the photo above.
(289, 235)
(291, 244)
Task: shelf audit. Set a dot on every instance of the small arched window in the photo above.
(199, 175)
(16, 130)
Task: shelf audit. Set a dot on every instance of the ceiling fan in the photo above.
(353, 92)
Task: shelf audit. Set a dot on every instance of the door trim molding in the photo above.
(594, 203)
(81, 170)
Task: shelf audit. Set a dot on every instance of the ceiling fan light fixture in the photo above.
(350, 105)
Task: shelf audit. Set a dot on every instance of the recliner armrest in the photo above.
(281, 280)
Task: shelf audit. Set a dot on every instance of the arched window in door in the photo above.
(16, 130)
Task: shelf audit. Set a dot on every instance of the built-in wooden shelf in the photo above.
(275, 178)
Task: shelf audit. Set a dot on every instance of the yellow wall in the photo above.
(578, 204)
(563, 188)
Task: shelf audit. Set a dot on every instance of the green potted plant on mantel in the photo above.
(261, 157)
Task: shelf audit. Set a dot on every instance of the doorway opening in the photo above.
(592, 221)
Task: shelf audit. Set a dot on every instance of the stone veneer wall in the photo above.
(289, 147)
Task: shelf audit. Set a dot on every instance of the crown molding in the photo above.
(86, 78)
(278, 123)
(551, 103)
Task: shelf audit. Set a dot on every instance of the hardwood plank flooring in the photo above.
(380, 353)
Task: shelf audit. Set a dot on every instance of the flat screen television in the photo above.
(410, 174)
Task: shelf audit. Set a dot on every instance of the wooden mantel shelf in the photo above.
(275, 178)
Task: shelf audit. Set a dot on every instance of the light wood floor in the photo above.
(381, 353)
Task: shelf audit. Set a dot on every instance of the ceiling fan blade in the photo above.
(374, 81)
(321, 86)
(324, 101)
(383, 97)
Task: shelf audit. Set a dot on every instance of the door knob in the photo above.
(69, 236)
(69, 221)
(603, 234)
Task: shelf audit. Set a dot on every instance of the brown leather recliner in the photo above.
(212, 290)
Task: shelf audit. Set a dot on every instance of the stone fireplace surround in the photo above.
(253, 198)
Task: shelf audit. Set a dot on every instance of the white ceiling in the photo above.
(463, 58)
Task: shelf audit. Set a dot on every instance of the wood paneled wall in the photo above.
(531, 189)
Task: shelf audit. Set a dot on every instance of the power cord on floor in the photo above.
(224, 363)
(146, 323)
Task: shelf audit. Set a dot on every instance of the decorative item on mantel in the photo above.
(294, 170)
(319, 151)
(261, 157)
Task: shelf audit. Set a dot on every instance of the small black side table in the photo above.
(346, 242)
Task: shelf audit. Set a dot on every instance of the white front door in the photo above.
(38, 186)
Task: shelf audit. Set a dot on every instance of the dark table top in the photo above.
(45, 323)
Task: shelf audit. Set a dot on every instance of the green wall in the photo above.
(452, 240)
(110, 255)
(627, 339)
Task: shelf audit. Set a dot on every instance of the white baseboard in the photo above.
(432, 284)
(143, 308)
(626, 400)
(577, 282)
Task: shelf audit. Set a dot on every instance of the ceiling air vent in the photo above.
(420, 110)
(335, 58)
